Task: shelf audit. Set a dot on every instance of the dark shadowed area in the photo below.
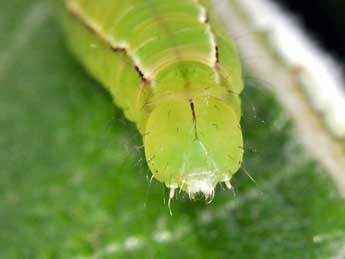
(325, 20)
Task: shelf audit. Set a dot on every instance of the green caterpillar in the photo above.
(175, 73)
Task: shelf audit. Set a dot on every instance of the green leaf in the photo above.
(73, 181)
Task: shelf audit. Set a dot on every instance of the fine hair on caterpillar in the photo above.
(130, 148)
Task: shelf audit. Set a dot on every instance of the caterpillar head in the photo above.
(193, 144)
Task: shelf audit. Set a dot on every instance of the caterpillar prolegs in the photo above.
(175, 73)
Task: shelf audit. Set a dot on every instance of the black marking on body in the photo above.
(118, 49)
(207, 18)
(215, 125)
(141, 74)
(217, 54)
(191, 103)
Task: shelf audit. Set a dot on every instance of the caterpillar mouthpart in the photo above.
(193, 144)
(202, 182)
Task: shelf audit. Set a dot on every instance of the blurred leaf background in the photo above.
(329, 30)
(74, 183)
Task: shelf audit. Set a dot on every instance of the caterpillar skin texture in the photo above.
(174, 72)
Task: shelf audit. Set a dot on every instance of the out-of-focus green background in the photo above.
(74, 183)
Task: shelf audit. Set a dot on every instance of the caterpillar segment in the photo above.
(175, 74)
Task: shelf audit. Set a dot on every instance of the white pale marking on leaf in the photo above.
(133, 243)
(320, 238)
(34, 18)
(334, 238)
(112, 248)
(206, 216)
(163, 236)
(340, 254)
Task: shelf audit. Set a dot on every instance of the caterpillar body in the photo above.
(175, 73)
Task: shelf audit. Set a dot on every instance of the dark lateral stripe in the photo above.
(90, 28)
